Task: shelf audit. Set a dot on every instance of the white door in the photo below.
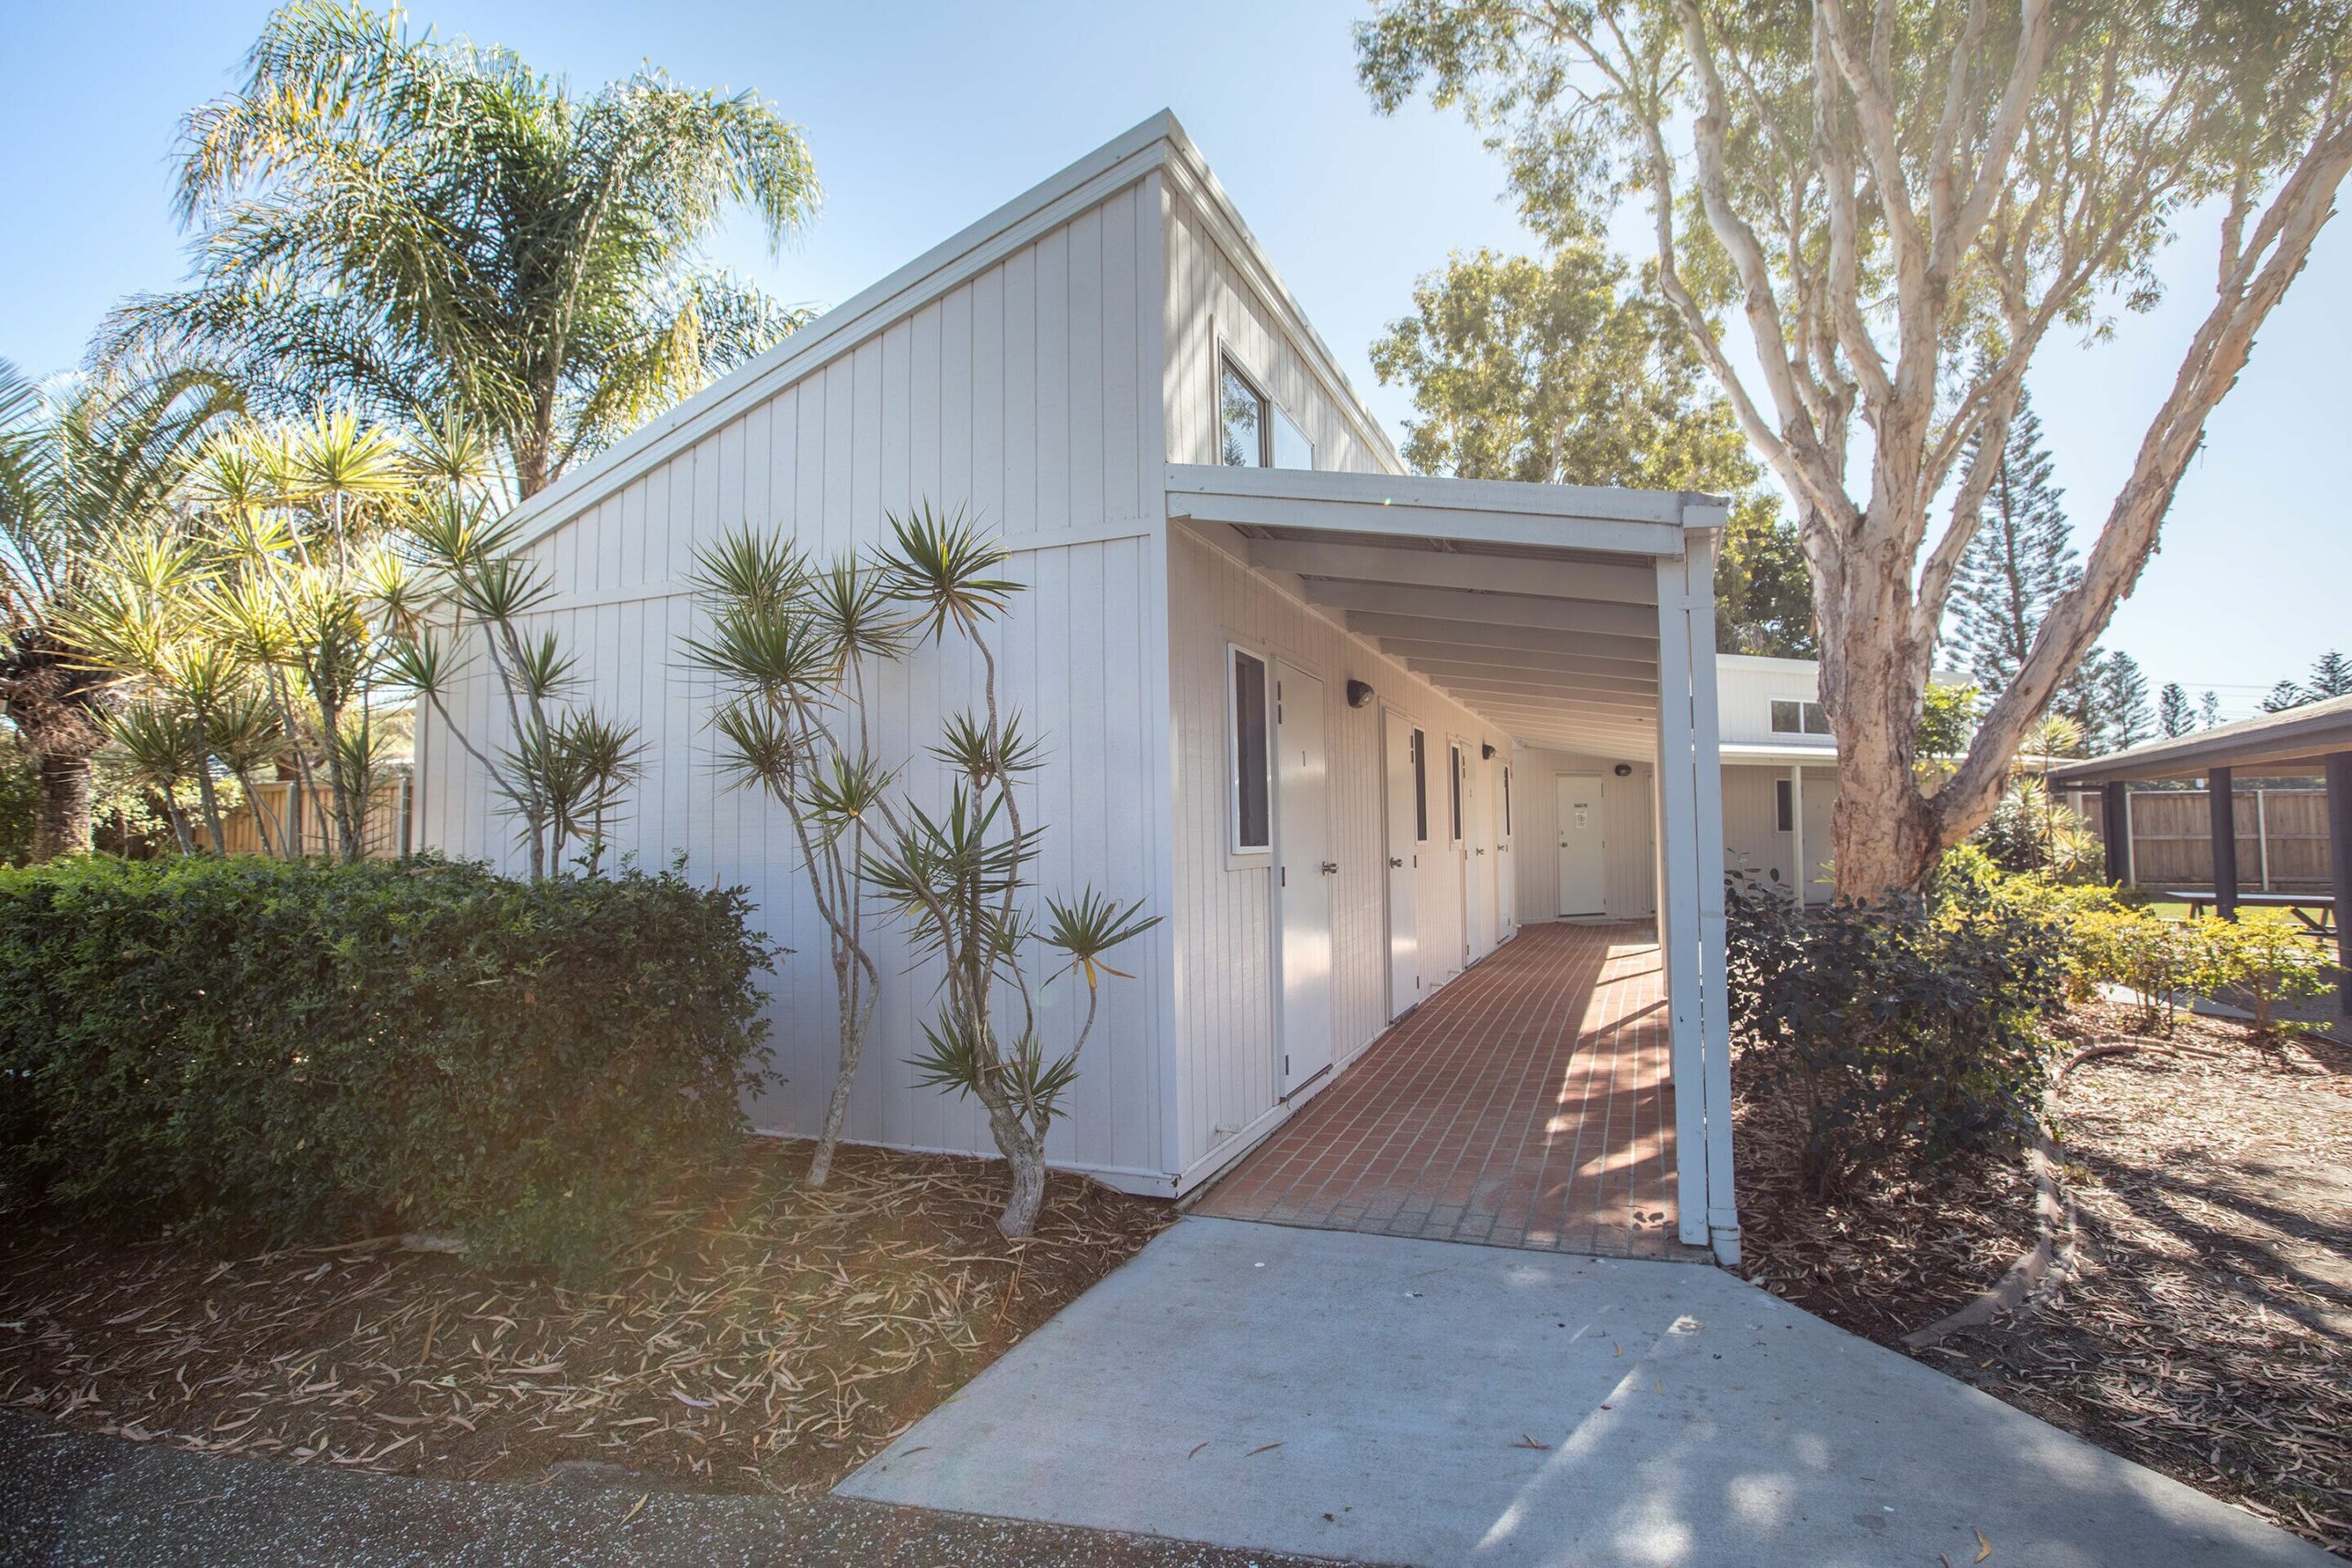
(1478, 848)
(1583, 887)
(1408, 799)
(1304, 873)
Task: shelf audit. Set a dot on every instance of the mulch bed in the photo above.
(760, 1336)
(2209, 1331)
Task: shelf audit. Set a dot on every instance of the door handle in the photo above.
(1395, 863)
(1481, 849)
(1331, 868)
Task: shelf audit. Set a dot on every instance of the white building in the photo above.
(1297, 699)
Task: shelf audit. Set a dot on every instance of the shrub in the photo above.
(1906, 1031)
(301, 1050)
(2152, 958)
(2262, 957)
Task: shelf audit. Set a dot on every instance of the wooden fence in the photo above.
(2282, 838)
(306, 819)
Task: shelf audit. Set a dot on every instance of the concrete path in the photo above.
(1396, 1400)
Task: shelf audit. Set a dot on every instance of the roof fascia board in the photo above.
(1386, 505)
(1102, 174)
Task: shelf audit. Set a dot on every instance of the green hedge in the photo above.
(257, 1049)
(1907, 1032)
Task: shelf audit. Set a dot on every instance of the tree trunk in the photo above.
(1884, 835)
(61, 818)
(1024, 1151)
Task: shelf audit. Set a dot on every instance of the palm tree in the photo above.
(424, 225)
(82, 463)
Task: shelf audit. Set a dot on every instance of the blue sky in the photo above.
(922, 118)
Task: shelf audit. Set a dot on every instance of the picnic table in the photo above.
(2315, 910)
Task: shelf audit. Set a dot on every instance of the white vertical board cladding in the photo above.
(1225, 981)
(1748, 685)
(1216, 303)
(1753, 841)
(1030, 392)
(1628, 823)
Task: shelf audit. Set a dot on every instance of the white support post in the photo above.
(1796, 832)
(1691, 897)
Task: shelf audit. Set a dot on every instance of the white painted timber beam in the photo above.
(1423, 628)
(1482, 609)
(1609, 584)
(1542, 700)
(1567, 663)
(1477, 661)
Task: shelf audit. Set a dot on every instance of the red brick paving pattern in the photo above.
(1527, 1104)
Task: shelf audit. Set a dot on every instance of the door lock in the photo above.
(1331, 868)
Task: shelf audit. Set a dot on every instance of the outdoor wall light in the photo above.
(1624, 770)
(1486, 752)
(1360, 694)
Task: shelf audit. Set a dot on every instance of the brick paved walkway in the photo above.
(1527, 1104)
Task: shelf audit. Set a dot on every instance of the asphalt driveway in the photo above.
(1262, 1387)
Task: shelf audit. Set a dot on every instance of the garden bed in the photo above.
(2208, 1332)
(756, 1335)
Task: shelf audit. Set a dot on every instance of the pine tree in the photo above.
(2022, 559)
(2174, 716)
(2208, 709)
(2331, 677)
(2123, 700)
(2284, 695)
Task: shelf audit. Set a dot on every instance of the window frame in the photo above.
(1421, 744)
(1805, 706)
(1270, 409)
(1235, 650)
(1457, 780)
(1228, 364)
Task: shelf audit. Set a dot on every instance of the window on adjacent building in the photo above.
(1243, 409)
(1506, 800)
(1453, 778)
(1420, 788)
(1792, 716)
(1252, 758)
(1784, 798)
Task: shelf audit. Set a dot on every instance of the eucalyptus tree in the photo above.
(1903, 203)
(1554, 370)
(82, 461)
(410, 224)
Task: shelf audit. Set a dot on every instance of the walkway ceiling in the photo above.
(1535, 606)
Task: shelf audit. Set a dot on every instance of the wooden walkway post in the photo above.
(2223, 810)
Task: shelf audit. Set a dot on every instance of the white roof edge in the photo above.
(1768, 663)
(1608, 503)
(1109, 168)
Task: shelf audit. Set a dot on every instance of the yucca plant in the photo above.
(960, 876)
(790, 646)
(458, 589)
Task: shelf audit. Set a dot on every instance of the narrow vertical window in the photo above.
(1289, 447)
(1506, 800)
(1453, 778)
(1785, 805)
(1420, 788)
(1252, 782)
(1241, 410)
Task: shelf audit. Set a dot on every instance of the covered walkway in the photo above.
(1528, 1104)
